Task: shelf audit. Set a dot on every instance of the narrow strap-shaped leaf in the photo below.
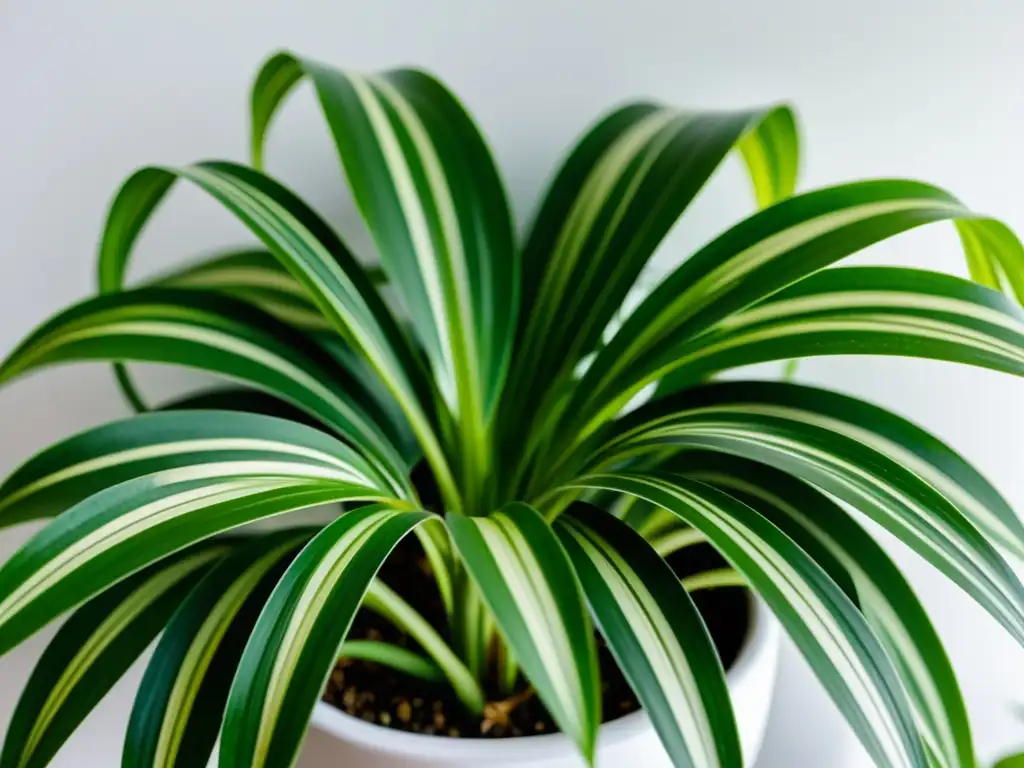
(614, 200)
(120, 530)
(297, 638)
(862, 568)
(634, 172)
(70, 471)
(219, 335)
(746, 264)
(255, 276)
(528, 582)
(825, 625)
(657, 636)
(995, 257)
(312, 253)
(861, 311)
(394, 656)
(92, 651)
(855, 468)
(433, 201)
(180, 704)
(909, 445)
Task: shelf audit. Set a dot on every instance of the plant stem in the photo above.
(385, 602)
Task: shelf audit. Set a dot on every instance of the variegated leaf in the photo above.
(870, 578)
(657, 636)
(91, 652)
(528, 583)
(831, 633)
(300, 633)
(179, 707)
(858, 463)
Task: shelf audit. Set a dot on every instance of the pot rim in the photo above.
(758, 646)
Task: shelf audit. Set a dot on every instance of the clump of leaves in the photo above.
(503, 374)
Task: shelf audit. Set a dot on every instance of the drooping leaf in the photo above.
(744, 265)
(824, 623)
(180, 703)
(92, 651)
(995, 256)
(869, 577)
(527, 581)
(254, 276)
(218, 335)
(862, 311)
(657, 636)
(121, 529)
(855, 465)
(70, 471)
(297, 638)
(313, 254)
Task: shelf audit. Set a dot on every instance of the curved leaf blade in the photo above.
(616, 197)
(827, 627)
(74, 469)
(657, 636)
(254, 276)
(299, 634)
(428, 189)
(92, 651)
(120, 530)
(912, 447)
(217, 335)
(179, 707)
(529, 585)
(746, 264)
(738, 418)
(862, 311)
(312, 253)
(870, 578)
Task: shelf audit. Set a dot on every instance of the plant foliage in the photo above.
(504, 371)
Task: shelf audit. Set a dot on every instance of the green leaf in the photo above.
(657, 636)
(180, 704)
(862, 311)
(746, 264)
(870, 578)
(995, 256)
(825, 625)
(70, 471)
(122, 529)
(528, 583)
(618, 194)
(912, 447)
(299, 635)
(850, 460)
(387, 603)
(92, 651)
(1013, 761)
(313, 254)
(432, 199)
(394, 656)
(254, 276)
(218, 335)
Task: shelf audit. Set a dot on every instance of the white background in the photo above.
(930, 90)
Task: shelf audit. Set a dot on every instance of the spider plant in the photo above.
(503, 373)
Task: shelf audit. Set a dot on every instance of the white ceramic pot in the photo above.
(340, 740)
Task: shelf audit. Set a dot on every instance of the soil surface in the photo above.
(380, 695)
